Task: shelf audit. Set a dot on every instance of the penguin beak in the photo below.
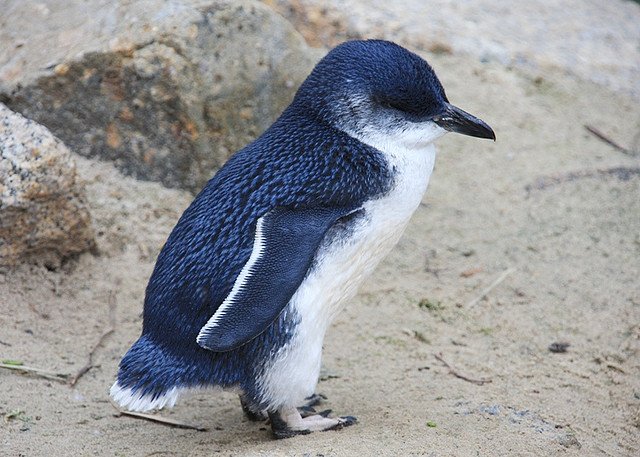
(456, 120)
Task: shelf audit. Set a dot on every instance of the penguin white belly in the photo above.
(340, 268)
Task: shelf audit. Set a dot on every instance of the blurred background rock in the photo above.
(167, 90)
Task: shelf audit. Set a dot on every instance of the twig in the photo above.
(598, 134)
(492, 286)
(89, 365)
(546, 182)
(162, 420)
(616, 368)
(457, 374)
(40, 314)
(37, 372)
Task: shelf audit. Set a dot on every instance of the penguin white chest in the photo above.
(339, 269)
(341, 266)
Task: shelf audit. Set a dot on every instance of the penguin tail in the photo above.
(149, 378)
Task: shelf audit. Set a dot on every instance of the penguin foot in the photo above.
(307, 409)
(314, 400)
(288, 422)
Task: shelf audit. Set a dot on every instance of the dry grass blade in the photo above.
(548, 182)
(457, 374)
(598, 134)
(162, 420)
(89, 365)
(492, 286)
(39, 372)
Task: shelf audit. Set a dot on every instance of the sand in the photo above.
(549, 208)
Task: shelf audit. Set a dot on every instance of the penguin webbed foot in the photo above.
(306, 409)
(288, 422)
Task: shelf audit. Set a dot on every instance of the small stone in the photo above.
(61, 69)
(113, 137)
(569, 440)
(492, 410)
(440, 47)
(559, 347)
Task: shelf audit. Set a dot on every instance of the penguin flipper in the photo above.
(285, 244)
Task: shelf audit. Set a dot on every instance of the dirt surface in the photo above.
(550, 209)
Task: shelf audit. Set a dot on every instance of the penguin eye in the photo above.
(395, 105)
(408, 111)
(403, 106)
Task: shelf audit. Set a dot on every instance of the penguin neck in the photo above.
(410, 154)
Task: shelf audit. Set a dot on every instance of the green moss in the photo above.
(430, 305)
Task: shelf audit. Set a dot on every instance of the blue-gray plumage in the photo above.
(259, 264)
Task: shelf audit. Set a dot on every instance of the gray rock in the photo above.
(166, 90)
(43, 214)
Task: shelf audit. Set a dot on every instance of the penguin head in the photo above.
(378, 88)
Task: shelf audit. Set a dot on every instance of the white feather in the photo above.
(128, 399)
(245, 274)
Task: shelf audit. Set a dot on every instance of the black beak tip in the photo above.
(492, 135)
(479, 129)
(456, 120)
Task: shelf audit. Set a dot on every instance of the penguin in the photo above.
(281, 237)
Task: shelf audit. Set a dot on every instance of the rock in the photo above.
(166, 90)
(569, 440)
(43, 215)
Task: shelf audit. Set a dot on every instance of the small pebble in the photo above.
(559, 347)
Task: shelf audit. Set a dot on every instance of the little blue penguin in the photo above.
(266, 255)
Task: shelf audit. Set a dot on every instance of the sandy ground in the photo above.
(549, 204)
(595, 40)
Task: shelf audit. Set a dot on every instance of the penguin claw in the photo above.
(314, 400)
(306, 411)
(346, 421)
